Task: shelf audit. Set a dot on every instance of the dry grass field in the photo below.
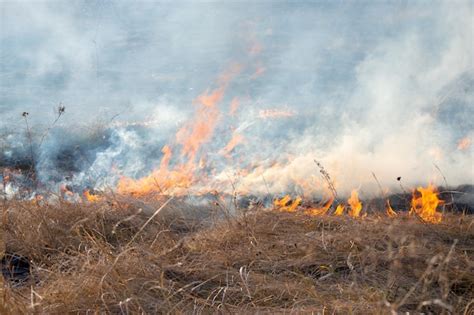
(109, 257)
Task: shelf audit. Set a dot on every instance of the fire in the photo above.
(174, 181)
(191, 138)
(321, 210)
(235, 141)
(464, 143)
(234, 105)
(390, 212)
(355, 204)
(91, 197)
(200, 131)
(282, 202)
(426, 204)
(339, 210)
(286, 204)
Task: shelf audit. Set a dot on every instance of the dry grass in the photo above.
(263, 261)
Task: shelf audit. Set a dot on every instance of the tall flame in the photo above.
(191, 137)
(425, 204)
(355, 204)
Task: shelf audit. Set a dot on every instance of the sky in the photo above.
(368, 86)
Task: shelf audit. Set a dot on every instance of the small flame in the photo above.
(282, 202)
(91, 197)
(355, 204)
(321, 210)
(339, 210)
(390, 212)
(425, 205)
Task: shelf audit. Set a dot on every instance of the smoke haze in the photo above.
(360, 86)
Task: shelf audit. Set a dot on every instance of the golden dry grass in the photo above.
(260, 261)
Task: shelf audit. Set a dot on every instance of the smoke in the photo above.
(361, 87)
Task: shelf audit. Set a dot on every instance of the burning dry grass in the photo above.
(84, 260)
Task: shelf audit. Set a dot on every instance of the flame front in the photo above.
(426, 204)
(186, 166)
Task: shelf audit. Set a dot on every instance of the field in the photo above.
(118, 257)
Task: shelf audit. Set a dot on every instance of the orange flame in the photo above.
(234, 105)
(191, 137)
(235, 141)
(339, 210)
(390, 212)
(286, 204)
(165, 161)
(355, 204)
(200, 131)
(91, 197)
(425, 205)
(158, 181)
(321, 210)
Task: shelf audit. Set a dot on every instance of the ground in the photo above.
(109, 257)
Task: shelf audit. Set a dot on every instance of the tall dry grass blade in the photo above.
(149, 220)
